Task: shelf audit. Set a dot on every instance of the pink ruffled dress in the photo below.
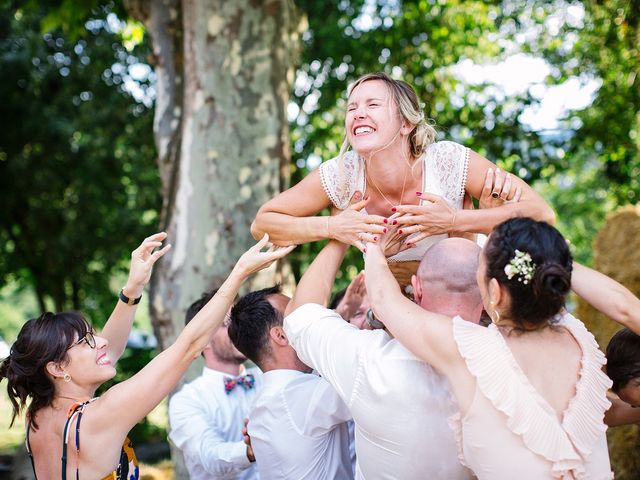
(511, 432)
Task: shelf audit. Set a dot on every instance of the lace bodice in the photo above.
(445, 166)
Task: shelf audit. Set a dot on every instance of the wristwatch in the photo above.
(127, 300)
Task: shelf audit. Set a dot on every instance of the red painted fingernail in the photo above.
(418, 193)
(375, 239)
(393, 209)
(384, 230)
(365, 250)
(394, 222)
(400, 231)
(384, 221)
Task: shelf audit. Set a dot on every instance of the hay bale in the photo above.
(616, 253)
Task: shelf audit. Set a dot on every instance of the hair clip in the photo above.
(522, 265)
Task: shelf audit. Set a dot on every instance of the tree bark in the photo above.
(224, 71)
(234, 146)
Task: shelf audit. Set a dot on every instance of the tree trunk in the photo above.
(238, 65)
(224, 71)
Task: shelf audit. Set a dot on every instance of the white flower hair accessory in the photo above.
(521, 265)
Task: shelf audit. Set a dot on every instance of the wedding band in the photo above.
(495, 194)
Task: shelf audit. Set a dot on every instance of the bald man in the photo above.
(399, 404)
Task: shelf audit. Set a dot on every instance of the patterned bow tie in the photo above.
(246, 381)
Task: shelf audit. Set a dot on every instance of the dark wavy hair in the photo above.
(40, 341)
(251, 319)
(623, 358)
(534, 303)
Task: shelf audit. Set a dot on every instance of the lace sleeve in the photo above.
(450, 163)
(340, 183)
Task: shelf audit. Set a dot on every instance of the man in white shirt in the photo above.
(297, 423)
(207, 415)
(399, 404)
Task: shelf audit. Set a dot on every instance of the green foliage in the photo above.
(420, 42)
(600, 149)
(78, 184)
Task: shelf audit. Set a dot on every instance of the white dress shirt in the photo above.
(206, 424)
(298, 428)
(400, 405)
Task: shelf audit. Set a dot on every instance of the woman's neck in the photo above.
(396, 177)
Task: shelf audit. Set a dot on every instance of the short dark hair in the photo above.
(251, 319)
(196, 306)
(539, 300)
(40, 341)
(623, 358)
(337, 298)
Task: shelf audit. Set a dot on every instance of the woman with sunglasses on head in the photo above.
(391, 161)
(58, 362)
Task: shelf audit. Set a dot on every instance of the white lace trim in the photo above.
(445, 166)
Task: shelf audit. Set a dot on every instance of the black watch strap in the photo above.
(127, 300)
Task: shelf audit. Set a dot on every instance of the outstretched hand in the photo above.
(498, 189)
(254, 259)
(354, 228)
(395, 240)
(247, 441)
(435, 216)
(142, 260)
(353, 297)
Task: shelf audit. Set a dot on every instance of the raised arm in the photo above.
(123, 405)
(530, 203)
(118, 326)
(436, 216)
(427, 335)
(621, 413)
(290, 218)
(607, 295)
(316, 283)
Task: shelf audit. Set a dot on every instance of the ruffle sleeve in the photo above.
(499, 378)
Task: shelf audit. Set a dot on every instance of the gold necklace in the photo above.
(404, 182)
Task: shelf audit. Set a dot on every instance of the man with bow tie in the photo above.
(207, 415)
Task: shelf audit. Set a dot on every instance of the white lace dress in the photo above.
(444, 167)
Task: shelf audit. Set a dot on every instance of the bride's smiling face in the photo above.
(373, 121)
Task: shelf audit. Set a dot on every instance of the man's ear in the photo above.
(417, 289)
(55, 369)
(278, 336)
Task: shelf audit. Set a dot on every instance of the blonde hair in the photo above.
(405, 98)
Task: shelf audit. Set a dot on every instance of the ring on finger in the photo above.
(495, 194)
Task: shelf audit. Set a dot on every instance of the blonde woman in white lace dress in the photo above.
(390, 159)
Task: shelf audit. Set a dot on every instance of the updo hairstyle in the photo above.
(537, 301)
(406, 99)
(40, 341)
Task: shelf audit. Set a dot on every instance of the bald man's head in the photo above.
(446, 279)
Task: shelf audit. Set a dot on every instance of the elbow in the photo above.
(548, 215)
(256, 232)
(258, 227)
(623, 313)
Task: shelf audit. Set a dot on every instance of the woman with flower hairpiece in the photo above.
(396, 174)
(530, 387)
(58, 362)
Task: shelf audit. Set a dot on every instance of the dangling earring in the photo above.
(67, 377)
(494, 314)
